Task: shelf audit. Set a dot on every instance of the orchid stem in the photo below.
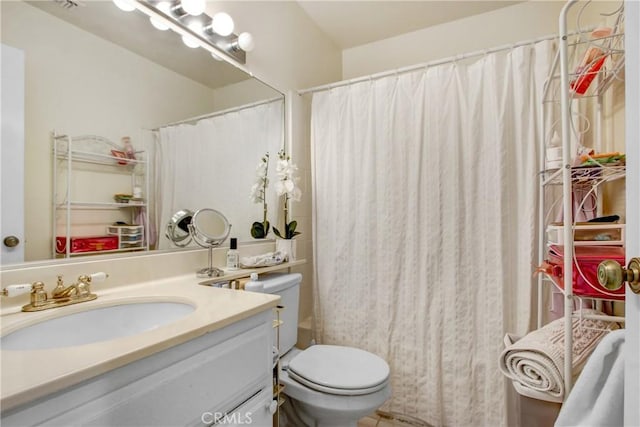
(286, 216)
(264, 217)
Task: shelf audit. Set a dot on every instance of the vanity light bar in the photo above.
(214, 43)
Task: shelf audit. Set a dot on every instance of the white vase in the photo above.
(287, 247)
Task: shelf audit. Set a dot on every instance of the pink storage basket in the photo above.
(585, 273)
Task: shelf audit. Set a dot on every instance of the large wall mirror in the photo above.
(96, 70)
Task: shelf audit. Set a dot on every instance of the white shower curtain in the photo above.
(424, 225)
(211, 164)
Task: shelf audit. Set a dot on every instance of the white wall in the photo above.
(243, 93)
(291, 53)
(523, 21)
(79, 84)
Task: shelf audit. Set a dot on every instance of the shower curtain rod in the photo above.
(428, 64)
(218, 113)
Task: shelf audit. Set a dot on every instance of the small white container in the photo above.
(554, 153)
(137, 192)
(554, 164)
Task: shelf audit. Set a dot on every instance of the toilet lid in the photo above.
(339, 370)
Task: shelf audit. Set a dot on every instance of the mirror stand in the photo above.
(210, 271)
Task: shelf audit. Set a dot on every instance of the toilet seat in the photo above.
(339, 370)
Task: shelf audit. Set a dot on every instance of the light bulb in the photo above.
(246, 42)
(222, 24)
(189, 40)
(158, 24)
(125, 5)
(164, 7)
(193, 7)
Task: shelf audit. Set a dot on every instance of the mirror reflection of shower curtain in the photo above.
(211, 163)
(425, 203)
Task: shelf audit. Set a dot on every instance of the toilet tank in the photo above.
(287, 286)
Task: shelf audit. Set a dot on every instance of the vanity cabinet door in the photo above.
(256, 412)
(195, 379)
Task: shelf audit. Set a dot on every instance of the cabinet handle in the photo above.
(272, 406)
(11, 241)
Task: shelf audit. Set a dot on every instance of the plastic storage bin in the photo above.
(585, 269)
(129, 236)
(585, 234)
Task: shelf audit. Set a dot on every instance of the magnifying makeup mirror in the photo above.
(178, 228)
(207, 227)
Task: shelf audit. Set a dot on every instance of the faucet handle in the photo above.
(18, 289)
(95, 277)
(98, 277)
(87, 280)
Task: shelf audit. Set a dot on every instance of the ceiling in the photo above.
(353, 23)
(347, 23)
(105, 20)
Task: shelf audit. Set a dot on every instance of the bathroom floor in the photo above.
(375, 420)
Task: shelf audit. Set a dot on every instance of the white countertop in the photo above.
(27, 375)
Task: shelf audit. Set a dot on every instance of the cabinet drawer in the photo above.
(123, 230)
(256, 411)
(588, 234)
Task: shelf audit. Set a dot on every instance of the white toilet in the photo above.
(327, 385)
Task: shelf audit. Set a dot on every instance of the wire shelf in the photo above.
(585, 174)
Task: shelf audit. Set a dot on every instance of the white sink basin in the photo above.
(95, 325)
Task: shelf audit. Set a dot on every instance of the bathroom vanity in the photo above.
(214, 363)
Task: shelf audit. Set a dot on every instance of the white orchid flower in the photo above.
(280, 189)
(257, 195)
(296, 194)
(261, 169)
(287, 185)
(284, 169)
(258, 190)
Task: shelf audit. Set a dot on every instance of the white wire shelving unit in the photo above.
(564, 113)
(95, 152)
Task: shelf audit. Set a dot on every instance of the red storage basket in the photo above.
(585, 273)
(87, 244)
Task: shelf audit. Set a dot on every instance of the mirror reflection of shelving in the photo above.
(99, 199)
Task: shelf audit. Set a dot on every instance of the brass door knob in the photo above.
(11, 241)
(612, 275)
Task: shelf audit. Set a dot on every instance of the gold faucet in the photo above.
(80, 289)
(61, 295)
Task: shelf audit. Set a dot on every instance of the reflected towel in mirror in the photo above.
(264, 260)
